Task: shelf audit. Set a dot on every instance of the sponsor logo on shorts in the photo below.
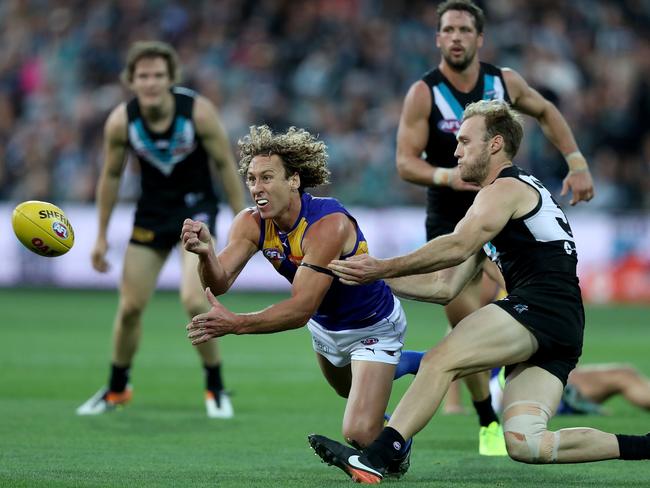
(449, 125)
(318, 345)
(520, 308)
(370, 341)
(60, 230)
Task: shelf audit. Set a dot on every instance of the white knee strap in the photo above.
(527, 421)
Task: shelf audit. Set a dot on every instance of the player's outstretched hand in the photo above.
(217, 322)
(195, 237)
(98, 256)
(581, 186)
(357, 270)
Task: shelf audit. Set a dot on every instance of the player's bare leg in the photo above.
(484, 339)
(600, 382)
(340, 379)
(140, 272)
(491, 441)
(531, 397)
(139, 275)
(217, 401)
(367, 386)
(453, 404)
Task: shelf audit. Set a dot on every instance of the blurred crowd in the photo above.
(339, 68)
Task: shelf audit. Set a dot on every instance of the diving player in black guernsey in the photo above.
(181, 146)
(537, 329)
(426, 140)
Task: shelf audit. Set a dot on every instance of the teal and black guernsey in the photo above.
(344, 307)
(447, 106)
(174, 163)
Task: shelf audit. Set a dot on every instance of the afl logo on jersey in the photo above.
(449, 125)
(273, 254)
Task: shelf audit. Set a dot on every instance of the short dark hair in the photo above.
(500, 119)
(465, 6)
(151, 49)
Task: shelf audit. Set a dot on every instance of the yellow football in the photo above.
(42, 228)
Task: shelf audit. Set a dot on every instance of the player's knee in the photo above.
(130, 313)
(193, 304)
(437, 359)
(526, 436)
(361, 432)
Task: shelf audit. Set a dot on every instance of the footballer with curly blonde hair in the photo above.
(357, 331)
(299, 151)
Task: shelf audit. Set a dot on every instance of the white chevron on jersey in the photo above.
(443, 105)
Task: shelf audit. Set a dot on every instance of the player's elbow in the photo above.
(439, 292)
(403, 165)
(301, 313)
(301, 319)
(434, 292)
(444, 296)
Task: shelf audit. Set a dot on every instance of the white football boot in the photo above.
(218, 407)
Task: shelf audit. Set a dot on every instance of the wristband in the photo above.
(576, 162)
(441, 176)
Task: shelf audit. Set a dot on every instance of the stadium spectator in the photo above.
(537, 330)
(181, 146)
(357, 332)
(332, 70)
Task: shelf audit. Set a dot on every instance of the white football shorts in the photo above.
(381, 342)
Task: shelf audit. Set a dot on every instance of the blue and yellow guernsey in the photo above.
(344, 307)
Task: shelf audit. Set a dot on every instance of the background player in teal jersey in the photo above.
(181, 146)
(357, 332)
(426, 140)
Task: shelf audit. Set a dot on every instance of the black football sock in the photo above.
(385, 448)
(119, 378)
(485, 412)
(633, 447)
(213, 381)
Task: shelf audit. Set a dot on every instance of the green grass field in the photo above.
(54, 352)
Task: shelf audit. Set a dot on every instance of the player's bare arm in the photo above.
(493, 207)
(439, 286)
(325, 240)
(218, 272)
(115, 144)
(529, 101)
(412, 137)
(216, 143)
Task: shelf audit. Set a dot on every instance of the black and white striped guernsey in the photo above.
(538, 246)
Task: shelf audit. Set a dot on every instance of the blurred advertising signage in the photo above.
(613, 252)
